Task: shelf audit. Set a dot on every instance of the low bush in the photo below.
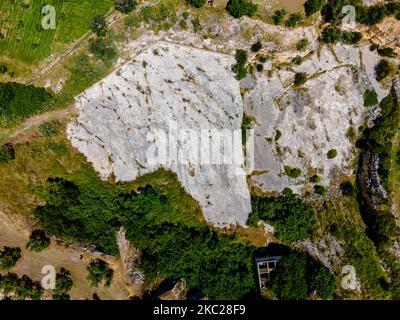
(240, 8)
(370, 98)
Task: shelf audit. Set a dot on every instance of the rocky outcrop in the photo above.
(169, 108)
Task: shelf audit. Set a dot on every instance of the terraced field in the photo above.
(22, 36)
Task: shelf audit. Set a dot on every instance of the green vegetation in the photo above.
(239, 68)
(370, 98)
(9, 257)
(387, 52)
(341, 218)
(333, 34)
(278, 135)
(196, 3)
(64, 283)
(294, 20)
(315, 179)
(313, 6)
(240, 8)
(318, 189)
(298, 60)
(331, 154)
(38, 241)
(125, 6)
(255, 47)
(99, 271)
(18, 102)
(293, 173)
(382, 69)
(197, 27)
(20, 288)
(219, 266)
(50, 129)
(103, 49)
(300, 78)
(368, 15)
(7, 153)
(162, 17)
(296, 276)
(98, 25)
(348, 189)
(293, 219)
(25, 39)
(302, 44)
(279, 16)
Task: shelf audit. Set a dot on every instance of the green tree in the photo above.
(98, 271)
(294, 20)
(300, 78)
(7, 153)
(64, 283)
(302, 44)
(382, 69)
(279, 16)
(313, 6)
(38, 241)
(125, 6)
(98, 25)
(196, 3)
(9, 257)
(103, 50)
(370, 98)
(331, 154)
(240, 8)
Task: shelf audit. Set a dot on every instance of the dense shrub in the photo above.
(9, 257)
(382, 69)
(18, 101)
(348, 189)
(196, 3)
(7, 153)
(292, 172)
(334, 35)
(239, 68)
(293, 219)
(300, 78)
(294, 20)
(298, 60)
(296, 276)
(331, 154)
(255, 47)
(313, 6)
(279, 16)
(302, 44)
(318, 189)
(240, 8)
(99, 271)
(387, 52)
(103, 50)
(38, 241)
(197, 27)
(125, 6)
(370, 98)
(98, 25)
(3, 69)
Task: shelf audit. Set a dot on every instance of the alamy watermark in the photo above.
(49, 17)
(201, 147)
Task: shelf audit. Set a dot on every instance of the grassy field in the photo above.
(22, 36)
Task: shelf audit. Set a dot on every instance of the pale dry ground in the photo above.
(15, 231)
